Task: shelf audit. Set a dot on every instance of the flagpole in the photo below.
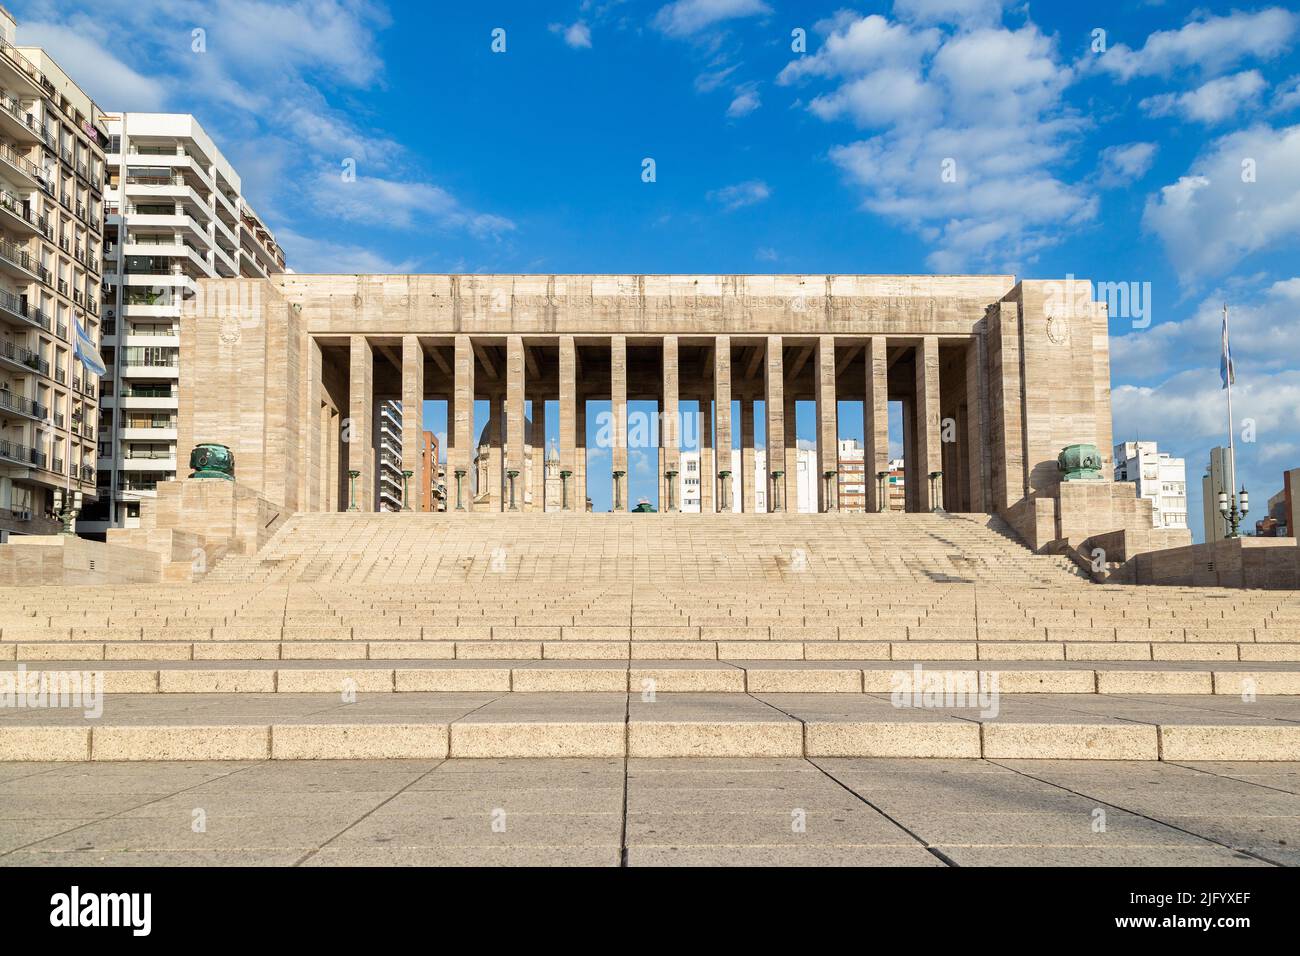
(1232, 448)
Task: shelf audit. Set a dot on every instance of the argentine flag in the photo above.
(1226, 371)
(84, 349)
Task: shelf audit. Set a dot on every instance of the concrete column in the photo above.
(670, 437)
(708, 475)
(580, 458)
(618, 414)
(413, 421)
(539, 502)
(929, 457)
(774, 407)
(828, 454)
(361, 424)
(722, 410)
(791, 479)
(513, 459)
(875, 420)
(460, 457)
(747, 477)
(569, 420)
(975, 426)
(496, 452)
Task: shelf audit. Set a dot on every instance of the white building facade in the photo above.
(1160, 478)
(175, 214)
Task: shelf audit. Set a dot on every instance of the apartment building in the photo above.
(689, 477)
(175, 214)
(390, 456)
(52, 138)
(1160, 478)
(852, 477)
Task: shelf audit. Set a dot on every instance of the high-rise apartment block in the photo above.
(1160, 478)
(175, 214)
(52, 138)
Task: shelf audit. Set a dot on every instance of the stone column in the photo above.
(460, 457)
(875, 420)
(513, 459)
(569, 421)
(361, 424)
(722, 410)
(539, 502)
(670, 438)
(929, 457)
(618, 414)
(747, 477)
(828, 454)
(708, 479)
(413, 421)
(791, 479)
(774, 407)
(975, 427)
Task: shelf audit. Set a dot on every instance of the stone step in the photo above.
(197, 727)
(358, 649)
(668, 676)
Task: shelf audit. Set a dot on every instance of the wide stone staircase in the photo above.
(487, 635)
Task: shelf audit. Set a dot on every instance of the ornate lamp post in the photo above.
(776, 490)
(882, 500)
(68, 506)
(672, 487)
(460, 474)
(725, 478)
(935, 504)
(352, 480)
(1232, 513)
(830, 489)
(406, 489)
(564, 489)
(618, 490)
(512, 474)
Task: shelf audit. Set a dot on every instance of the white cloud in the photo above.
(1213, 102)
(1286, 96)
(576, 35)
(1191, 405)
(971, 125)
(745, 101)
(1121, 165)
(739, 195)
(960, 12)
(686, 18)
(400, 205)
(1212, 44)
(1211, 219)
(767, 254)
(110, 82)
(1264, 324)
(313, 255)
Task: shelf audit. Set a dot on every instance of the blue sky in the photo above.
(1151, 144)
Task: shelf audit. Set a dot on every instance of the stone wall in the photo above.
(1269, 563)
(37, 560)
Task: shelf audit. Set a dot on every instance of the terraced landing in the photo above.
(650, 811)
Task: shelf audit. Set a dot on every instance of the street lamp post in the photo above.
(406, 489)
(830, 489)
(724, 479)
(672, 481)
(776, 490)
(68, 506)
(1234, 510)
(352, 480)
(882, 503)
(460, 474)
(512, 474)
(564, 489)
(618, 490)
(935, 503)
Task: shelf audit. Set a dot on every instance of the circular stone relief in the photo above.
(1058, 330)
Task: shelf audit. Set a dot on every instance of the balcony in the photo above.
(14, 308)
(23, 358)
(24, 168)
(12, 451)
(19, 124)
(19, 68)
(16, 262)
(27, 407)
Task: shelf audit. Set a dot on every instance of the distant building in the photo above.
(689, 480)
(1280, 522)
(1217, 478)
(896, 485)
(390, 456)
(852, 476)
(1160, 479)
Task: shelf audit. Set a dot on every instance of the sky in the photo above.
(1150, 146)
